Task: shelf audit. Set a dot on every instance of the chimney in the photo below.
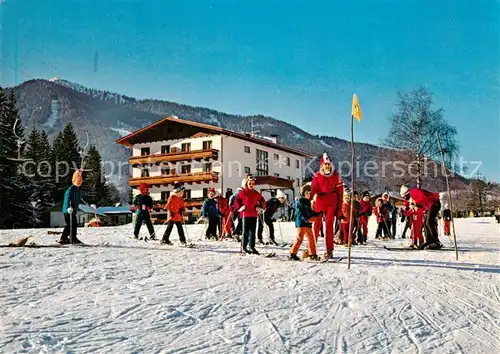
(276, 138)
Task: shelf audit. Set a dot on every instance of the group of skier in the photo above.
(322, 202)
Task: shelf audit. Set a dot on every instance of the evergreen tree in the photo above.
(66, 159)
(95, 189)
(14, 206)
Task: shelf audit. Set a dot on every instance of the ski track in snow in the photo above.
(141, 297)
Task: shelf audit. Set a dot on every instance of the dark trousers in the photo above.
(239, 224)
(249, 226)
(430, 223)
(180, 231)
(143, 217)
(382, 227)
(66, 232)
(407, 226)
(213, 223)
(393, 233)
(269, 222)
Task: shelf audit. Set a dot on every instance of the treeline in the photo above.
(35, 172)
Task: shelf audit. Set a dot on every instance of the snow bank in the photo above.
(140, 297)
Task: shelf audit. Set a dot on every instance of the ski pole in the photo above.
(71, 225)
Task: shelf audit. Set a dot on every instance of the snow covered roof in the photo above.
(113, 210)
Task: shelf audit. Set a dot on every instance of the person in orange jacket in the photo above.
(250, 203)
(345, 219)
(416, 216)
(175, 208)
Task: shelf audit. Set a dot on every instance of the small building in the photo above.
(108, 215)
(201, 156)
(117, 215)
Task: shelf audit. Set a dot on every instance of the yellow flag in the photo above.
(356, 110)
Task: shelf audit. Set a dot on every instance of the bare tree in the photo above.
(414, 128)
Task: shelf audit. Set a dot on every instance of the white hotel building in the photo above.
(201, 156)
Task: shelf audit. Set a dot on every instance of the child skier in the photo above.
(345, 219)
(225, 211)
(211, 211)
(446, 220)
(175, 208)
(143, 205)
(70, 208)
(416, 216)
(249, 204)
(364, 213)
(303, 222)
(272, 205)
(390, 213)
(430, 203)
(382, 215)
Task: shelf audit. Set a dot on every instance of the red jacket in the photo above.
(251, 199)
(423, 198)
(381, 214)
(365, 211)
(329, 191)
(416, 217)
(175, 207)
(346, 212)
(223, 205)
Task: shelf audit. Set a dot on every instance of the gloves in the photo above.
(70, 210)
(243, 208)
(259, 210)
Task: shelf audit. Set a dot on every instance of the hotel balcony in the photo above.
(173, 157)
(186, 178)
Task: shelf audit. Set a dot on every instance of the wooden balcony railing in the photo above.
(190, 204)
(195, 155)
(187, 178)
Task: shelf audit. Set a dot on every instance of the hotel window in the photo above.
(276, 175)
(187, 194)
(247, 170)
(166, 171)
(262, 163)
(205, 192)
(288, 161)
(207, 167)
(165, 195)
(145, 172)
(297, 164)
(247, 149)
(276, 157)
(144, 151)
(165, 149)
(207, 145)
(185, 169)
(288, 177)
(186, 147)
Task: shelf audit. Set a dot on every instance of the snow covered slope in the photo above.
(140, 297)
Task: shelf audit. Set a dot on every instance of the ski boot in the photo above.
(314, 258)
(153, 238)
(64, 241)
(293, 257)
(328, 255)
(166, 242)
(254, 251)
(435, 246)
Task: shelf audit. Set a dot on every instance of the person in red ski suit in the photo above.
(225, 211)
(327, 190)
(416, 216)
(446, 220)
(430, 203)
(364, 213)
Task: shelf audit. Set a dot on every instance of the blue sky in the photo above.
(299, 61)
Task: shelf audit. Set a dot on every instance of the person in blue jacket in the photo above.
(70, 208)
(211, 211)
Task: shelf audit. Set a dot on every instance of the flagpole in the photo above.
(352, 194)
(449, 195)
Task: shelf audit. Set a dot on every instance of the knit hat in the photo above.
(324, 159)
(404, 190)
(305, 188)
(228, 194)
(280, 194)
(178, 187)
(143, 188)
(366, 194)
(77, 179)
(212, 190)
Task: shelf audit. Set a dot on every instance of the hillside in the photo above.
(51, 104)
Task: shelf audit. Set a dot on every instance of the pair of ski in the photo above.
(57, 245)
(324, 260)
(145, 239)
(416, 249)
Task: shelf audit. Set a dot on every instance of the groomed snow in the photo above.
(137, 297)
